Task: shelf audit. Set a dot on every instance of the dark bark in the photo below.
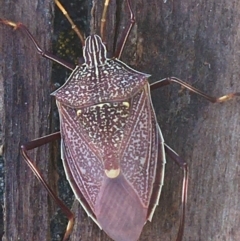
(26, 85)
(197, 41)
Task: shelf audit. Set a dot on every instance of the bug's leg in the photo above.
(40, 51)
(212, 99)
(103, 21)
(37, 143)
(126, 33)
(182, 164)
(74, 27)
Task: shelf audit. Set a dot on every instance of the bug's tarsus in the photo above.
(126, 33)
(170, 80)
(183, 165)
(40, 51)
(74, 27)
(37, 143)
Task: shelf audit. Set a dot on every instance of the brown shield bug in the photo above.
(112, 148)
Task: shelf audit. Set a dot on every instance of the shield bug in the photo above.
(112, 148)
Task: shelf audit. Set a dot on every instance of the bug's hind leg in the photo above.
(183, 165)
(32, 145)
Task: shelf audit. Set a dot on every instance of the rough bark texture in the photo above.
(26, 85)
(197, 41)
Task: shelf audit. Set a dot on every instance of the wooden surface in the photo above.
(196, 41)
(26, 82)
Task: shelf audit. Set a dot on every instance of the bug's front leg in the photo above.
(40, 51)
(37, 143)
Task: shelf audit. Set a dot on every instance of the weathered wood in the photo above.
(26, 82)
(195, 41)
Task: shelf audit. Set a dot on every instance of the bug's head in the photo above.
(94, 51)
